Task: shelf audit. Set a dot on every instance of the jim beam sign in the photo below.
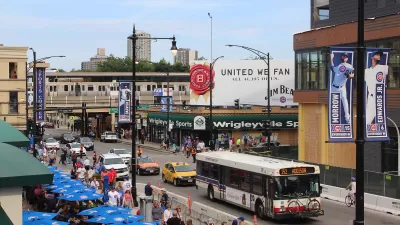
(246, 80)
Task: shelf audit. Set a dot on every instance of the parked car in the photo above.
(48, 125)
(109, 136)
(87, 142)
(115, 161)
(179, 173)
(125, 154)
(146, 165)
(67, 138)
(51, 143)
(46, 136)
(76, 147)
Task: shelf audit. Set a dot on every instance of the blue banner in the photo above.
(166, 101)
(40, 88)
(158, 92)
(340, 95)
(376, 71)
(124, 97)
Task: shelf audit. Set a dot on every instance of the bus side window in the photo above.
(257, 187)
(233, 177)
(214, 171)
(205, 169)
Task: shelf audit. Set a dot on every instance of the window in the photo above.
(90, 88)
(257, 184)
(137, 88)
(233, 177)
(159, 86)
(214, 171)
(245, 180)
(322, 69)
(298, 73)
(72, 87)
(99, 88)
(305, 62)
(103, 88)
(148, 88)
(65, 87)
(51, 88)
(381, 4)
(12, 70)
(13, 102)
(204, 169)
(83, 87)
(55, 88)
(323, 13)
(313, 70)
(153, 87)
(165, 86)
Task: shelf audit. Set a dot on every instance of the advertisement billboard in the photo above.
(165, 102)
(340, 95)
(124, 109)
(40, 89)
(246, 80)
(376, 71)
(163, 92)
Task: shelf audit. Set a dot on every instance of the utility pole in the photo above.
(83, 119)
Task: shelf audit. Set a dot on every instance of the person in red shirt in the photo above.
(114, 175)
(110, 175)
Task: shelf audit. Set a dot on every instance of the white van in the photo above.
(115, 161)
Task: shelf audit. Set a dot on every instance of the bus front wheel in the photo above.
(210, 192)
(259, 209)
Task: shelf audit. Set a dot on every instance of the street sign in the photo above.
(113, 110)
(143, 107)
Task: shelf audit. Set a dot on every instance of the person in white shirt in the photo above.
(113, 197)
(230, 143)
(352, 186)
(94, 183)
(91, 172)
(167, 213)
(86, 163)
(81, 173)
(127, 184)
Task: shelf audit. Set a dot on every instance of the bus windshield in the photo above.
(287, 187)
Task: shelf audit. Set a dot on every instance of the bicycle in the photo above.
(311, 205)
(349, 200)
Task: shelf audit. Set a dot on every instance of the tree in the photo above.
(179, 67)
(144, 66)
(202, 58)
(115, 64)
(60, 70)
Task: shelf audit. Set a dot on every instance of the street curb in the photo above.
(146, 147)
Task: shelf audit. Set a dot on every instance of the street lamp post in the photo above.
(211, 125)
(168, 109)
(398, 145)
(266, 58)
(174, 50)
(360, 139)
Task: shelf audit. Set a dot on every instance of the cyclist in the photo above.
(352, 186)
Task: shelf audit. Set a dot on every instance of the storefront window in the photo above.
(298, 73)
(313, 70)
(305, 62)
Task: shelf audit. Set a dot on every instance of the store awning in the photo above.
(12, 136)
(19, 168)
(4, 219)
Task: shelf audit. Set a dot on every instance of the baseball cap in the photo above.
(241, 218)
(345, 54)
(377, 52)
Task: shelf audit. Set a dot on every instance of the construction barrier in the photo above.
(374, 202)
(197, 212)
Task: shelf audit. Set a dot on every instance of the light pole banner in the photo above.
(40, 89)
(246, 80)
(376, 71)
(165, 102)
(30, 99)
(124, 109)
(340, 95)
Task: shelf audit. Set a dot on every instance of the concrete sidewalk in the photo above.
(147, 145)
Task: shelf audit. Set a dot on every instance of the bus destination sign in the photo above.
(297, 170)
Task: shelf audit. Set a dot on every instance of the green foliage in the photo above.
(60, 70)
(124, 64)
(202, 58)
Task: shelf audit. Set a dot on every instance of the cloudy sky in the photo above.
(76, 28)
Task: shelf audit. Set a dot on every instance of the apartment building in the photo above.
(91, 65)
(143, 47)
(13, 85)
(185, 56)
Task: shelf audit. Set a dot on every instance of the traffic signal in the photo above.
(237, 105)
(267, 128)
(184, 105)
(137, 103)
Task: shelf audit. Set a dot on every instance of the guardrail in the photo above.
(197, 212)
(374, 202)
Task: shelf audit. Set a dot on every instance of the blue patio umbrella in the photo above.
(45, 222)
(104, 210)
(65, 184)
(114, 218)
(28, 215)
(80, 196)
(72, 190)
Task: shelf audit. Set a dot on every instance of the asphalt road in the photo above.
(335, 213)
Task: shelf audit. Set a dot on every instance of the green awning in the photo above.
(12, 136)
(19, 168)
(4, 219)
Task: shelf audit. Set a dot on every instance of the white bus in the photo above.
(269, 187)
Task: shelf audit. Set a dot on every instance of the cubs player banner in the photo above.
(340, 95)
(376, 71)
(124, 109)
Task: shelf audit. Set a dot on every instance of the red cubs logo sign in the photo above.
(372, 127)
(282, 99)
(200, 79)
(379, 77)
(342, 68)
(336, 128)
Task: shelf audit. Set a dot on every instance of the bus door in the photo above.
(270, 191)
